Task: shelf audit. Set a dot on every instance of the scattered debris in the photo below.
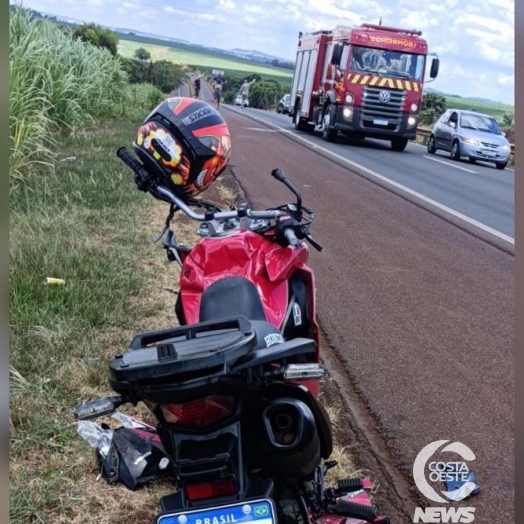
(132, 454)
(49, 281)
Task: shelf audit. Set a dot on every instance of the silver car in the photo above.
(472, 135)
(283, 105)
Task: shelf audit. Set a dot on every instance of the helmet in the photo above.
(185, 143)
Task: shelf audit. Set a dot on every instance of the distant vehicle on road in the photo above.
(239, 102)
(470, 134)
(364, 81)
(283, 105)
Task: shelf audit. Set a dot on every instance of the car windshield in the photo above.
(479, 123)
(385, 61)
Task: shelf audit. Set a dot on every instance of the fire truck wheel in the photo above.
(399, 144)
(431, 145)
(301, 124)
(328, 134)
(455, 150)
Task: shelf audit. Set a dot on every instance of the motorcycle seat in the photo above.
(235, 296)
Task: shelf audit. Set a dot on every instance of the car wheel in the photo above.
(328, 134)
(399, 144)
(431, 145)
(501, 165)
(455, 150)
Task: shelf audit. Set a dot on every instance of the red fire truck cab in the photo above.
(363, 81)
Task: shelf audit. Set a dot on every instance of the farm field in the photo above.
(494, 109)
(204, 59)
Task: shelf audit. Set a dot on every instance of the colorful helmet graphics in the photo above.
(186, 143)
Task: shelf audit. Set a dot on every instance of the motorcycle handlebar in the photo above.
(128, 159)
(144, 181)
(291, 237)
(221, 215)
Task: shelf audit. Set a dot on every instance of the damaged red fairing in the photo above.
(250, 255)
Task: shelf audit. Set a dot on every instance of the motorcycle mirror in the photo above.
(98, 408)
(303, 371)
(279, 175)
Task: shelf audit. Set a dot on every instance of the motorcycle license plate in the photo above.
(380, 121)
(248, 512)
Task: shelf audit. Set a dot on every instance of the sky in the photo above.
(474, 39)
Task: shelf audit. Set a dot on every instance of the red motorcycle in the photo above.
(234, 387)
(251, 263)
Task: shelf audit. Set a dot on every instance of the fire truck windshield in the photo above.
(386, 62)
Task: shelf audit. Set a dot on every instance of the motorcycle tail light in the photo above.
(201, 412)
(209, 490)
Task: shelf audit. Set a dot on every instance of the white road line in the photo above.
(442, 207)
(266, 130)
(450, 165)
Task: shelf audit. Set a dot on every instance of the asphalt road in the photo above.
(478, 191)
(419, 311)
(183, 90)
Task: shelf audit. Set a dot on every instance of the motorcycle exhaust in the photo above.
(291, 439)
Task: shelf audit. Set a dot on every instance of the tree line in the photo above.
(163, 74)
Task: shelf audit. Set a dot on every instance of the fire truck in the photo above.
(361, 81)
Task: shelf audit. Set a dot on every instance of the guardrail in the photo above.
(424, 133)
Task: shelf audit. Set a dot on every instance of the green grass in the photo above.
(82, 221)
(205, 60)
(85, 222)
(493, 109)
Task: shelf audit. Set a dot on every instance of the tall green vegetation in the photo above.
(142, 54)
(56, 82)
(263, 93)
(433, 106)
(98, 36)
(163, 74)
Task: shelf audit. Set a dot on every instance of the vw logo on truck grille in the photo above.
(384, 97)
